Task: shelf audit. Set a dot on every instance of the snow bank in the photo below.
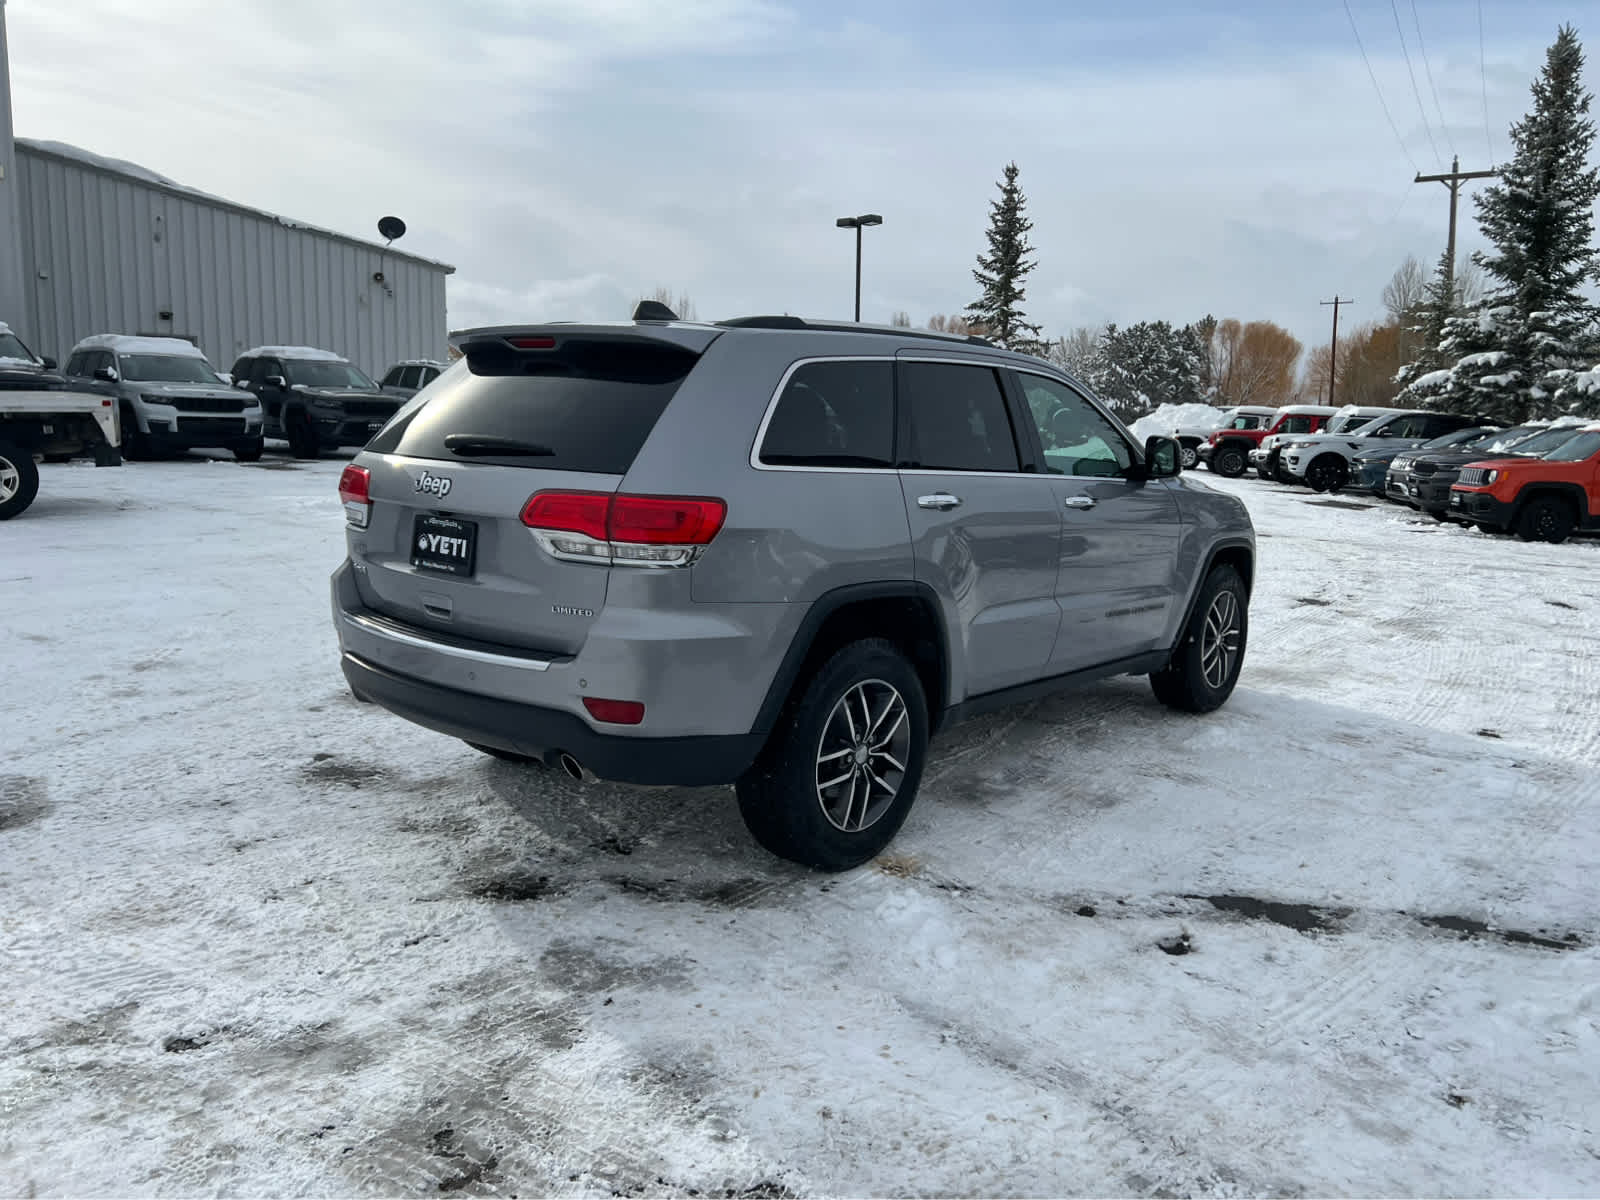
(304, 353)
(124, 343)
(1169, 418)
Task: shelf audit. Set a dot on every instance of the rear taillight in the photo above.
(624, 531)
(614, 712)
(354, 492)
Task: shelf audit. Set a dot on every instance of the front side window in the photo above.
(1077, 438)
(834, 414)
(1296, 425)
(74, 364)
(956, 417)
(1246, 422)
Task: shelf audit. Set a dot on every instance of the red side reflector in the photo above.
(665, 520)
(641, 520)
(568, 512)
(615, 712)
(354, 483)
(533, 343)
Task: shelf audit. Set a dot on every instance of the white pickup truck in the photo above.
(42, 413)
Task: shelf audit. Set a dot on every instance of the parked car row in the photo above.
(1540, 481)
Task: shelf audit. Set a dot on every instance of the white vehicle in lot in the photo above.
(1322, 462)
(1265, 457)
(169, 398)
(42, 414)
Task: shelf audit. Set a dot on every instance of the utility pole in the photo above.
(1453, 180)
(1333, 352)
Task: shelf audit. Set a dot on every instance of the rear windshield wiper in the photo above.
(472, 445)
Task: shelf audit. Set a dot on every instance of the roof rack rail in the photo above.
(788, 322)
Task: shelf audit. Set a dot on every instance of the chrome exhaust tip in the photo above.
(575, 769)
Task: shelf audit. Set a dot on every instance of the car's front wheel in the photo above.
(1328, 473)
(1205, 664)
(248, 452)
(301, 435)
(1546, 519)
(834, 785)
(1229, 461)
(19, 480)
(1188, 456)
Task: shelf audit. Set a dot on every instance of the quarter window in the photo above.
(957, 418)
(1077, 437)
(834, 414)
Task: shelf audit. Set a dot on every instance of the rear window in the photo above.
(590, 405)
(834, 414)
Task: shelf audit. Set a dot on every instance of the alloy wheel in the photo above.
(862, 755)
(10, 480)
(1219, 639)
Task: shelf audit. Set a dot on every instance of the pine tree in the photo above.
(1534, 325)
(1425, 378)
(1002, 271)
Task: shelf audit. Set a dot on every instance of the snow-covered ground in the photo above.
(257, 938)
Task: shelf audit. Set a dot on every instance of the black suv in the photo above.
(1423, 480)
(313, 399)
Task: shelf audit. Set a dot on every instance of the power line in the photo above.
(1483, 76)
(1370, 75)
(1444, 125)
(1422, 112)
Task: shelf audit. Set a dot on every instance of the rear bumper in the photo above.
(545, 733)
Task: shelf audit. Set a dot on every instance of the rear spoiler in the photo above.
(496, 340)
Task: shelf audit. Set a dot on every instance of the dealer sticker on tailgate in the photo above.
(444, 544)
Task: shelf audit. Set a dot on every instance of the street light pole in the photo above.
(858, 224)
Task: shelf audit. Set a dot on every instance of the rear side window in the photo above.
(587, 406)
(956, 417)
(834, 414)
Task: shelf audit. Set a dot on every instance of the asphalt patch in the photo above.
(1469, 928)
(22, 800)
(519, 886)
(1302, 918)
(1314, 601)
(1177, 946)
(1354, 505)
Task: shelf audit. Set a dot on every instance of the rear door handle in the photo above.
(1079, 502)
(943, 501)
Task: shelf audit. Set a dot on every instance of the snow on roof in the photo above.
(418, 362)
(133, 171)
(303, 353)
(127, 344)
(4, 328)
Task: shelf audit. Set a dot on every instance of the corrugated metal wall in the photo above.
(107, 253)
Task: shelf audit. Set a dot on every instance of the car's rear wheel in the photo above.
(834, 785)
(1546, 519)
(1205, 665)
(135, 445)
(1188, 456)
(1328, 473)
(19, 480)
(302, 435)
(1229, 461)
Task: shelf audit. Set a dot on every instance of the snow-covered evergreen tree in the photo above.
(1002, 271)
(1146, 365)
(1534, 326)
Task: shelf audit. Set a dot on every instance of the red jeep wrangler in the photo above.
(1227, 451)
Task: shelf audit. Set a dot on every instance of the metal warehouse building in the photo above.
(108, 247)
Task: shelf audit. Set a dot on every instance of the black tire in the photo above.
(135, 445)
(510, 756)
(1438, 514)
(19, 480)
(302, 435)
(1229, 461)
(249, 452)
(1327, 473)
(1546, 519)
(1191, 681)
(782, 798)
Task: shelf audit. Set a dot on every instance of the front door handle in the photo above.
(943, 501)
(1079, 502)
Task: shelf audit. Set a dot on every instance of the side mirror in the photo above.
(242, 383)
(48, 363)
(106, 374)
(1162, 459)
(276, 381)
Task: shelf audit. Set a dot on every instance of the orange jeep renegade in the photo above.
(1542, 499)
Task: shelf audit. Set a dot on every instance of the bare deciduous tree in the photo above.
(683, 306)
(1255, 362)
(901, 320)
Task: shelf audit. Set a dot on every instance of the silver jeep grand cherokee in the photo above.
(773, 553)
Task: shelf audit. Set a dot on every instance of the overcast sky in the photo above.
(1179, 156)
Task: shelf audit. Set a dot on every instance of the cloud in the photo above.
(567, 157)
